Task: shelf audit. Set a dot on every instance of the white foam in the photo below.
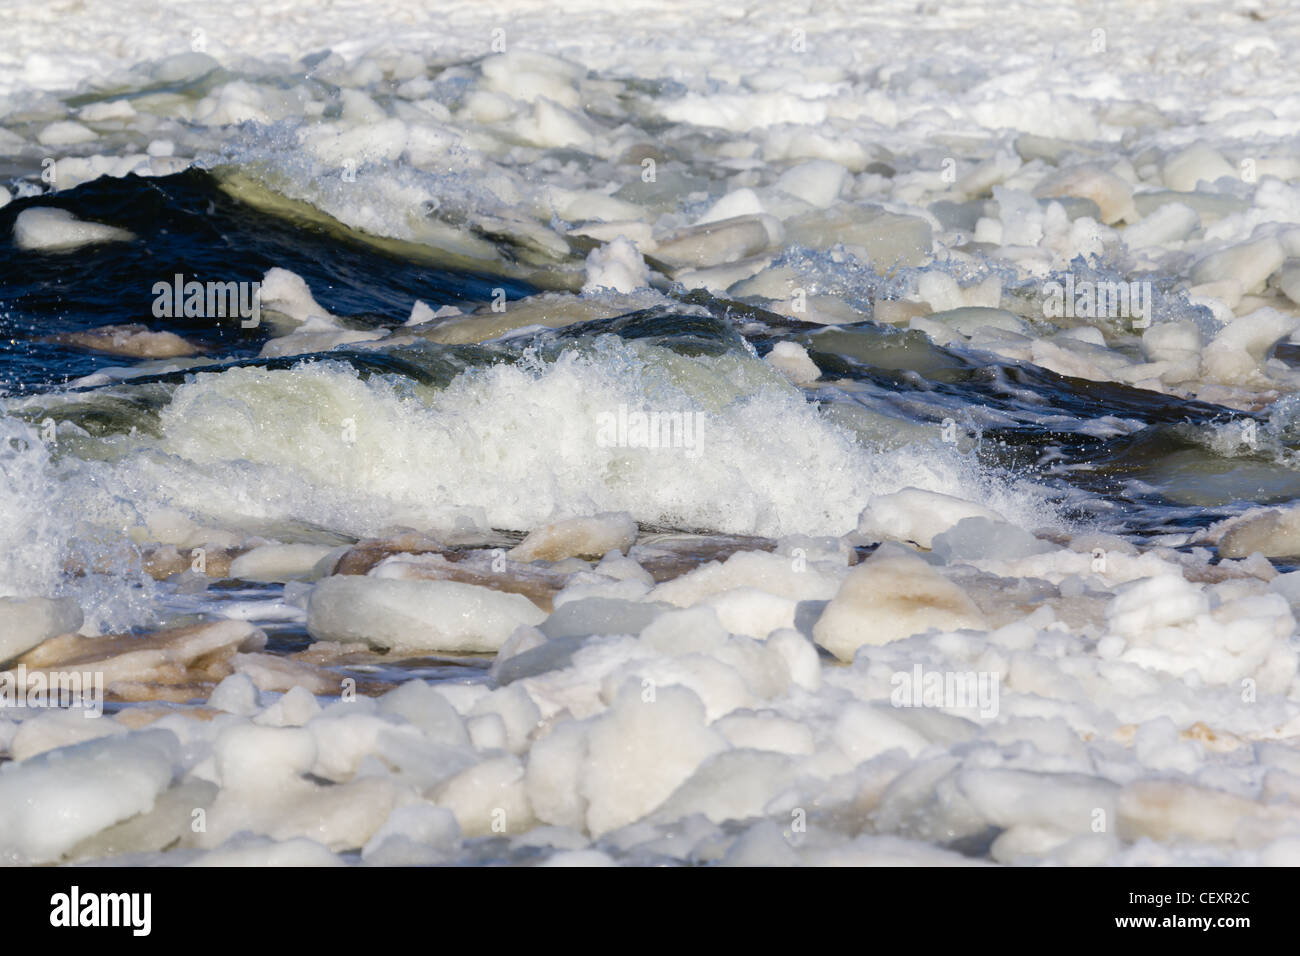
(616, 265)
(513, 446)
(31, 535)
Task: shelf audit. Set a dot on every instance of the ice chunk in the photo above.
(1012, 798)
(980, 180)
(979, 539)
(579, 858)
(167, 824)
(640, 752)
(415, 835)
(65, 133)
(1154, 603)
(550, 310)
(52, 729)
(246, 850)
(1168, 625)
(1236, 355)
(593, 537)
(600, 615)
(264, 791)
(863, 731)
(716, 243)
(968, 320)
(519, 715)
(489, 798)
(425, 708)
(1171, 810)
(554, 770)
(764, 730)
(940, 291)
(890, 596)
(278, 562)
(800, 656)
(235, 695)
(1288, 280)
(107, 111)
(45, 229)
(773, 573)
(640, 234)
(1113, 196)
(817, 183)
(416, 615)
(528, 75)
(719, 279)
(180, 67)
(1273, 532)
(136, 341)
(279, 674)
(316, 335)
(792, 359)
(888, 239)
(739, 202)
(738, 674)
(294, 709)
(753, 612)
(26, 622)
(616, 265)
(165, 665)
(422, 313)
(1022, 219)
(287, 292)
(551, 125)
(53, 801)
(538, 584)
(730, 785)
(1196, 164)
(916, 515)
(1211, 207)
(622, 568)
(1250, 263)
(487, 732)
(763, 844)
(576, 205)
(692, 630)
(1172, 341)
(522, 640)
(1287, 585)
(550, 655)
(1172, 222)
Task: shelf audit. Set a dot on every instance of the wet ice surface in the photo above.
(973, 533)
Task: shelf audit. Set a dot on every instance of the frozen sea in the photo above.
(650, 433)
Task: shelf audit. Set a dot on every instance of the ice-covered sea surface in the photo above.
(650, 433)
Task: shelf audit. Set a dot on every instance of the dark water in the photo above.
(1159, 474)
(186, 224)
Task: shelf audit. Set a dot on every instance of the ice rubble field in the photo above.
(1148, 701)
